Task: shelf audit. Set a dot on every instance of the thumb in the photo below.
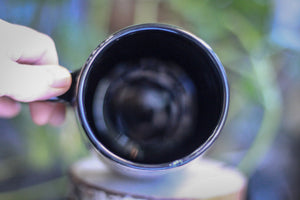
(27, 83)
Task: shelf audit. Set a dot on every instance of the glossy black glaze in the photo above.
(146, 111)
(152, 97)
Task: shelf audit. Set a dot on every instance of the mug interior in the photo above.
(198, 72)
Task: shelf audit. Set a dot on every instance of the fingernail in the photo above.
(61, 78)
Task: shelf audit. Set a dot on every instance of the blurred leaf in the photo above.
(248, 34)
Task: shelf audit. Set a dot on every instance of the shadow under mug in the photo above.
(150, 98)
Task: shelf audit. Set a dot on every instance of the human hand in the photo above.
(29, 72)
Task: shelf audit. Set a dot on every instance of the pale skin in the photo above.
(30, 73)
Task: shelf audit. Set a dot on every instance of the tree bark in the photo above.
(122, 14)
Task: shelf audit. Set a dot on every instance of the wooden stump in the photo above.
(201, 179)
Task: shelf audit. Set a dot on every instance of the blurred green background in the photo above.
(258, 42)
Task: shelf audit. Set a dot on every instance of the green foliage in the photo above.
(217, 19)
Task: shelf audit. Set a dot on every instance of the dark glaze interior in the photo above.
(152, 74)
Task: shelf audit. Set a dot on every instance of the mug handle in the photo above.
(69, 96)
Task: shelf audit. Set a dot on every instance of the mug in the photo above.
(150, 98)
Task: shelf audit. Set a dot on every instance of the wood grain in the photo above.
(200, 180)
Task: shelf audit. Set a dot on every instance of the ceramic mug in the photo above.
(150, 98)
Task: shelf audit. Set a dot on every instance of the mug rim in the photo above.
(81, 111)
